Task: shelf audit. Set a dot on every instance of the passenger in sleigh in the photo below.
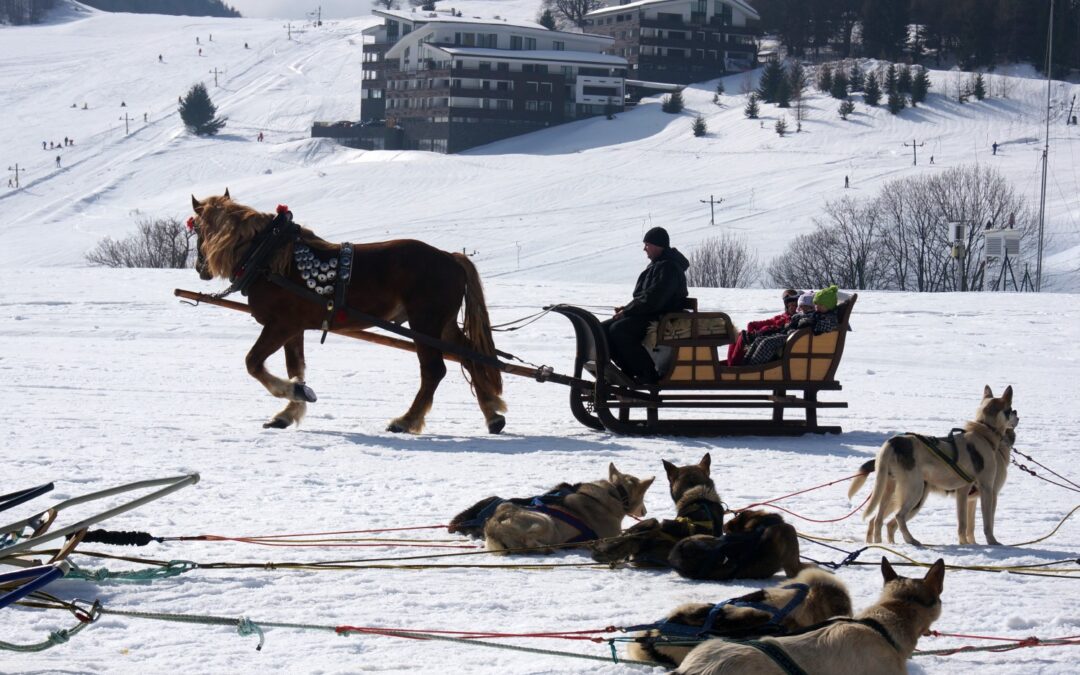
(756, 329)
(822, 319)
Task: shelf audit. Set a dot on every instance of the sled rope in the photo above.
(245, 626)
(1023, 467)
(793, 494)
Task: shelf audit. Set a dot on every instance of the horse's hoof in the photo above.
(277, 423)
(395, 428)
(496, 424)
(302, 392)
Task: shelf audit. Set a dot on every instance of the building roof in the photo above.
(532, 55)
(433, 17)
(615, 9)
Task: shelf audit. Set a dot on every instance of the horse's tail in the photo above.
(477, 328)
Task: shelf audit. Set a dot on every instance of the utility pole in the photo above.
(127, 118)
(915, 150)
(1046, 148)
(518, 245)
(713, 203)
(288, 27)
(16, 171)
(215, 72)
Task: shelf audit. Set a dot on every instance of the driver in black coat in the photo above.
(660, 289)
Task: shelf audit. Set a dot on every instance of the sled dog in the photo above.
(755, 545)
(772, 611)
(878, 641)
(698, 511)
(973, 462)
(590, 511)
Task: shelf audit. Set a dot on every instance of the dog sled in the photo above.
(687, 351)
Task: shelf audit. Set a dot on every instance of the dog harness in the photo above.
(546, 504)
(935, 447)
(789, 666)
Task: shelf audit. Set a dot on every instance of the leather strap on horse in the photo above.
(344, 276)
(935, 447)
(421, 338)
(278, 231)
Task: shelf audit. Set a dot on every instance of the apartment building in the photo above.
(680, 41)
(449, 83)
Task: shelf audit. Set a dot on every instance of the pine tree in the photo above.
(198, 112)
(824, 79)
(871, 90)
(920, 85)
(903, 80)
(700, 127)
(839, 86)
(796, 78)
(979, 89)
(752, 109)
(781, 127)
(547, 20)
(890, 80)
(673, 103)
(856, 77)
(771, 79)
(719, 87)
(896, 102)
(847, 107)
(783, 93)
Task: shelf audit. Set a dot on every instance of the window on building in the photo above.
(619, 18)
(725, 13)
(545, 106)
(485, 65)
(392, 30)
(489, 40)
(532, 87)
(599, 91)
(530, 43)
(502, 104)
(545, 87)
(532, 106)
(567, 71)
(515, 42)
(503, 67)
(502, 85)
(558, 45)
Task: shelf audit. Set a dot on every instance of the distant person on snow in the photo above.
(661, 288)
(260, 137)
(43, 145)
(160, 58)
(58, 161)
(246, 46)
(846, 183)
(995, 147)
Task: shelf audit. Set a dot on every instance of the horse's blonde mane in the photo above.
(227, 230)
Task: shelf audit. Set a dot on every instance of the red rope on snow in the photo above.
(811, 489)
(828, 520)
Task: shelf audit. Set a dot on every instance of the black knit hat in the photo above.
(657, 236)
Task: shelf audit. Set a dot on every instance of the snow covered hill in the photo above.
(108, 379)
(566, 203)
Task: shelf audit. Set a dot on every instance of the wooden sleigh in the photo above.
(690, 347)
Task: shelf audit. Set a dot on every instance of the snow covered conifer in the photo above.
(673, 103)
(839, 85)
(772, 78)
(890, 80)
(700, 128)
(847, 106)
(752, 108)
(199, 113)
(856, 77)
(871, 90)
(896, 102)
(781, 127)
(903, 79)
(547, 19)
(920, 85)
(824, 79)
(979, 88)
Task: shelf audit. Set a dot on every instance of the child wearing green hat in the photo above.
(822, 320)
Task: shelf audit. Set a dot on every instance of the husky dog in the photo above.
(698, 510)
(764, 612)
(755, 545)
(878, 641)
(1004, 451)
(591, 511)
(908, 466)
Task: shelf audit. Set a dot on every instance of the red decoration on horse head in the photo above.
(281, 208)
(191, 223)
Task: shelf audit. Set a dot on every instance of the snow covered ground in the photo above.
(108, 379)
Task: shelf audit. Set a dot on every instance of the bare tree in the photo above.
(573, 11)
(726, 261)
(161, 243)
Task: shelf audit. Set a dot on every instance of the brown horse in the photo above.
(400, 280)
